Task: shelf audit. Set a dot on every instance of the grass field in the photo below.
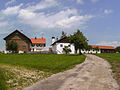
(49, 63)
(3, 83)
(41, 62)
(114, 60)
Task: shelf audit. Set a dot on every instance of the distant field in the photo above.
(13, 67)
(114, 60)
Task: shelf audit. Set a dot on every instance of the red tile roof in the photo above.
(38, 40)
(1, 51)
(103, 47)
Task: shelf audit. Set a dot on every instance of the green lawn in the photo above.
(44, 62)
(114, 60)
(3, 85)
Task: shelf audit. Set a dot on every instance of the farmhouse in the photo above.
(38, 44)
(58, 45)
(24, 43)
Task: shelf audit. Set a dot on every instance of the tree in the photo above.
(96, 48)
(63, 35)
(89, 47)
(12, 46)
(117, 49)
(79, 40)
(66, 49)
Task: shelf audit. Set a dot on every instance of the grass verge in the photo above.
(114, 60)
(3, 84)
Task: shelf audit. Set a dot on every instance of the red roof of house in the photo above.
(103, 47)
(1, 51)
(38, 40)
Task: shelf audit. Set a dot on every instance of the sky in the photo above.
(99, 20)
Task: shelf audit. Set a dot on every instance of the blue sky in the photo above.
(99, 20)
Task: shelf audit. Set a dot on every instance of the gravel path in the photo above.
(93, 74)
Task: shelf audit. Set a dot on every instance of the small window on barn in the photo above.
(16, 32)
(24, 46)
(61, 45)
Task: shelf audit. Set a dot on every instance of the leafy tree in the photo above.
(79, 40)
(12, 46)
(66, 49)
(117, 49)
(63, 35)
(89, 47)
(96, 48)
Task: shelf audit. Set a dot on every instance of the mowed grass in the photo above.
(3, 84)
(44, 62)
(114, 60)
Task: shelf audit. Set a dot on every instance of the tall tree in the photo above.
(12, 46)
(89, 47)
(96, 48)
(118, 49)
(79, 40)
(63, 35)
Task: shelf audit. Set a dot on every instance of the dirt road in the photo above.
(93, 74)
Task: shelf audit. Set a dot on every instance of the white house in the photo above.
(58, 45)
(38, 44)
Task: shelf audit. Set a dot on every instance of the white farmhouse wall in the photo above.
(90, 51)
(59, 50)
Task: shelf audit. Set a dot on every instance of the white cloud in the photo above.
(94, 1)
(2, 24)
(61, 19)
(42, 5)
(80, 1)
(114, 43)
(106, 11)
(12, 10)
(26, 14)
(1, 17)
(10, 2)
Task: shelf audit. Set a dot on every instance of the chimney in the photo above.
(53, 40)
(57, 39)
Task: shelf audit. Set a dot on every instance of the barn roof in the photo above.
(38, 40)
(17, 31)
(103, 47)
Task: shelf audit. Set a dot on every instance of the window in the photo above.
(37, 45)
(24, 46)
(61, 45)
(68, 45)
(44, 45)
(33, 45)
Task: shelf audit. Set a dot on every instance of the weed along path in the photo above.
(93, 74)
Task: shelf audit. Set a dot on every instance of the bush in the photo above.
(12, 46)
